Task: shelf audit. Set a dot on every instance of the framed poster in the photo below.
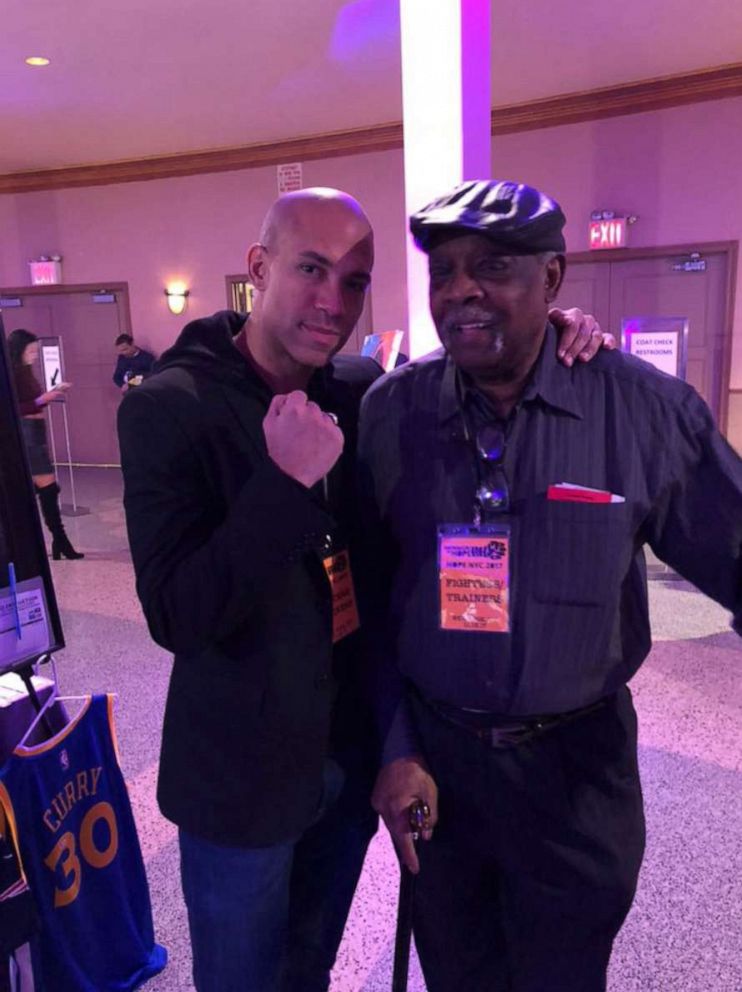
(661, 341)
(29, 617)
(383, 347)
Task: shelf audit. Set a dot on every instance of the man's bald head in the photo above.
(310, 270)
(303, 206)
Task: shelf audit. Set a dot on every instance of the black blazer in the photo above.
(228, 553)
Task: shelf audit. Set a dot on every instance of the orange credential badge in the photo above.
(473, 566)
(344, 610)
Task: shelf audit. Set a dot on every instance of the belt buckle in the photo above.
(513, 736)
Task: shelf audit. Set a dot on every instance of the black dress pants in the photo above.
(534, 862)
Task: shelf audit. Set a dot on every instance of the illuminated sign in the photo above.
(45, 272)
(695, 263)
(607, 233)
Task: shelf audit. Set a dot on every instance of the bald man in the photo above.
(238, 463)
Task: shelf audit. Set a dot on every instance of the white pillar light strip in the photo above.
(446, 106)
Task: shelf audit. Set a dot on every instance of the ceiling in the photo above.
(131, 79)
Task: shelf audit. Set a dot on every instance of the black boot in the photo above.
(61, 547)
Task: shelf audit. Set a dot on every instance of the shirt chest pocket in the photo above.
(575, 553)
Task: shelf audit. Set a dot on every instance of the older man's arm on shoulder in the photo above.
(696, 526)
(196, 578)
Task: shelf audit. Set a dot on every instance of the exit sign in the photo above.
(607, 233)
(45, 272)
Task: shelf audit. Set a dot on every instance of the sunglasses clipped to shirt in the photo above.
(493, 493)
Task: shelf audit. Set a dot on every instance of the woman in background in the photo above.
(23, 347)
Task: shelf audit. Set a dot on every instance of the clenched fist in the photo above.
(302, 440)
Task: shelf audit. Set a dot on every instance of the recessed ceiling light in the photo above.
(37, 60)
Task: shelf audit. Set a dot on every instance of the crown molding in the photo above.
(616, 101)
(571, 108)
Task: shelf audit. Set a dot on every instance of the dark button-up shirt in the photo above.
(578, 593)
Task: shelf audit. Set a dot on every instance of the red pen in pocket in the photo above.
(569, 492)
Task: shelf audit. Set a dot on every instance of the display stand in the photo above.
(51, 354)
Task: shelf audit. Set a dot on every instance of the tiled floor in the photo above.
(683, 934)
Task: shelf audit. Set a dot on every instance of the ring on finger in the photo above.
(332, 416)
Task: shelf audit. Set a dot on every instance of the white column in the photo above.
(446, 106)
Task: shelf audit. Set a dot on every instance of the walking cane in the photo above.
(419, 813)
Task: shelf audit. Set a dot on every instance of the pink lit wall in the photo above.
(194, 229)
(679, 170)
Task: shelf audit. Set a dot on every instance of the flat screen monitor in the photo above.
(29, 618)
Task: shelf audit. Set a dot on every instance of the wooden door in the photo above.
(87, 324)
(654, 283)
(653, 287)
(587, 285)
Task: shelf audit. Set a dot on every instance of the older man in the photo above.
(241, 514)
(508, 499)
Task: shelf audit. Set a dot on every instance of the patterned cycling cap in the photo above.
(519, 218)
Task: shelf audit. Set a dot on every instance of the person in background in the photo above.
(133, 364)
(238, 463)
(23, 348)
(507, 500)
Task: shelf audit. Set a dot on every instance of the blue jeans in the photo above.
(271, 919)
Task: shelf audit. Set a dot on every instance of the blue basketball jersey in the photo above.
(68, 808)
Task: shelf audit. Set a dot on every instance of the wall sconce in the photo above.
(177, 298)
